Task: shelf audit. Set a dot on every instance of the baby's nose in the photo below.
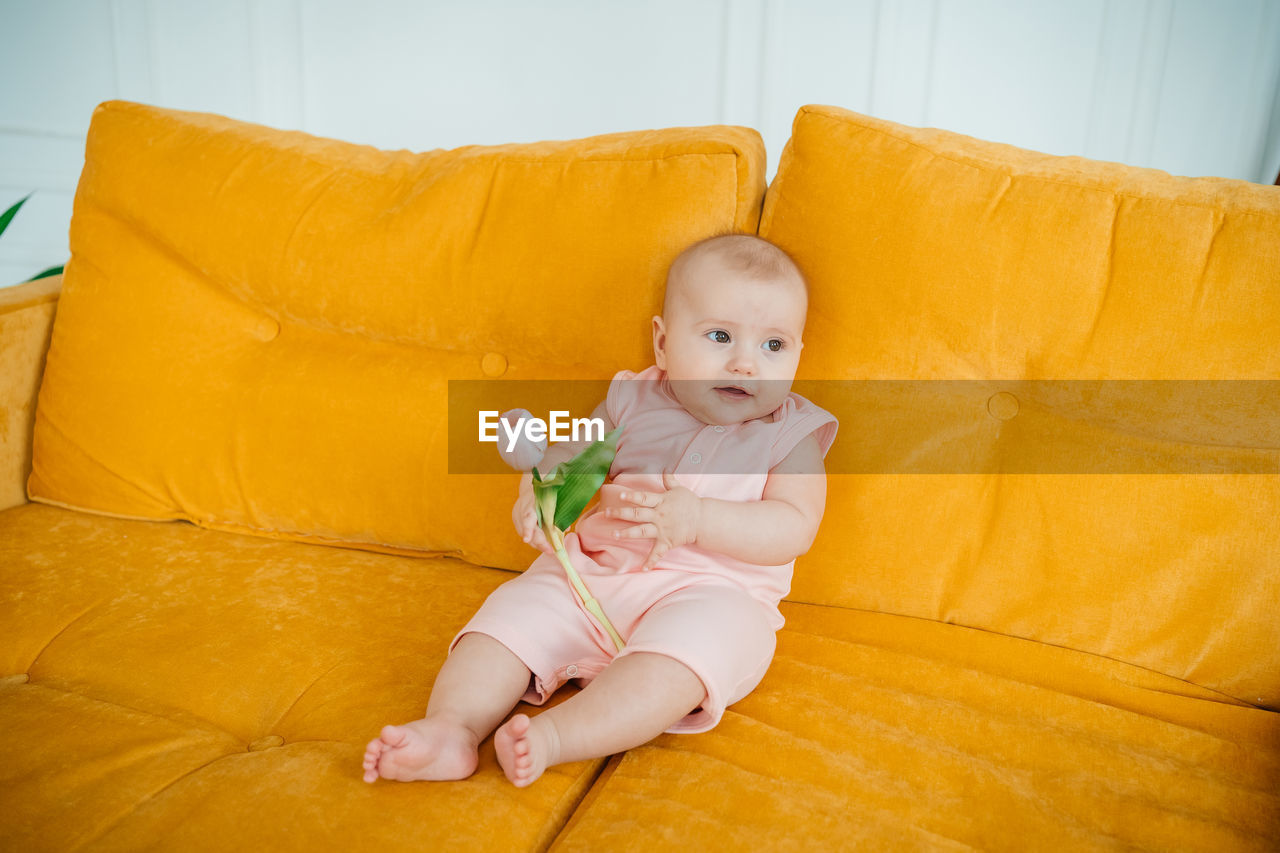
(742, 362)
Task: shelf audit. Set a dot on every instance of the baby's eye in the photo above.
(774, 345)
(720, 336)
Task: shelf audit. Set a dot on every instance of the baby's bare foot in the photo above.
(432, 749)
(526, 748)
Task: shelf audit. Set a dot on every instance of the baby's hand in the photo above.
(669, 518)
(524, 514)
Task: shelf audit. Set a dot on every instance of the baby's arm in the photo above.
(771, 531)
(524, 514)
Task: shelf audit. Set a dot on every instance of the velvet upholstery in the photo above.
(232, 287)
(26, 320)
(960, 259)
(248, 367)
(194, 689)
(877, 731)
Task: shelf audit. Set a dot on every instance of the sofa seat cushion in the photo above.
(872, 730)
(159, 681)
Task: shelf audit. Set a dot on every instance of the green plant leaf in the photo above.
(50, 271)
(575, 482)
(544, 496)
(7, 216)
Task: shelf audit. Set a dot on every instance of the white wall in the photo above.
(1190, 86)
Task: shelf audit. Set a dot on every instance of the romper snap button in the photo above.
(695, 458)
(571, 670)
(719, 428)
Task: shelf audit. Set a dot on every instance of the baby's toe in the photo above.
(393, 736)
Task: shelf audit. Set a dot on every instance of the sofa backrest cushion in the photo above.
(934, 256)
(258, 327)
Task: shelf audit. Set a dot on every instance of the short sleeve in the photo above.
(618, 401)
(800, 419)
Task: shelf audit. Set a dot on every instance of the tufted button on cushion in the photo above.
(494, 364)
(1003, 406)
(266, 329)
(268, 742)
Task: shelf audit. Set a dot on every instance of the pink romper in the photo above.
(715, 614)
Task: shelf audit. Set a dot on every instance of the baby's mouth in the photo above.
(732, 392)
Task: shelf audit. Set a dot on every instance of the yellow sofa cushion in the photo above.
(26, 316)
(257, 327)
(934, 256)
(948, 257)
(160, 683)
(875, 731)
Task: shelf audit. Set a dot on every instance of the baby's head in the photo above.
(729, 336)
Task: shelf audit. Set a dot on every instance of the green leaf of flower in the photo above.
(7, 216)
(51, 271)
(573, 483)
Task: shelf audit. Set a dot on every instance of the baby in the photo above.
(717, 486)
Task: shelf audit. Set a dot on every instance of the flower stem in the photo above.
(584, 594)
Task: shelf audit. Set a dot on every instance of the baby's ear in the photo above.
(659, 342)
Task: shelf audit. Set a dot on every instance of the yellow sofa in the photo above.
(234, 543)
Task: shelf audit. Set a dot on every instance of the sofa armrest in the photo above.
(26, 322)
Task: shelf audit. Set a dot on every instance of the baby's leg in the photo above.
(715, 630)
(479, 684)
(632, 701)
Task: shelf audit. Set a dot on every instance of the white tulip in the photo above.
(515, 446)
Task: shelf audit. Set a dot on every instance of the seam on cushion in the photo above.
(285, 534)
(317, 194)
(286, 316)
(1051, 726)
(584, 800)
(218, 125)
(49, 642)
(129, 810)
(725, 152)
(1155, 753)
(275, 534)
(278, 725)
(240, 131)
(881, 815)
(740, 158)
(281, 313)
(42, 418)
(104, 513)
(745, 189)
(1008, 170)
(1227, 699)
(171, 253)
(183, 717)
(27, 304)
(294, 536)
(577, 794)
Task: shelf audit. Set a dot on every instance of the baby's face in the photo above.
(730, 343)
